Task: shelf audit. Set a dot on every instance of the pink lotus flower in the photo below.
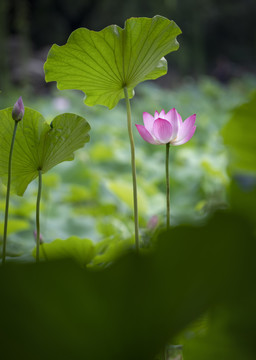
(167, 128)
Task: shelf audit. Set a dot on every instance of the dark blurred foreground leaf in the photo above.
(230, 334)
(244, 200)
(57, 310)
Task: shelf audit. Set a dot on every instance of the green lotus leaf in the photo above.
(103, 63)
(15, 225)
(38, 145)
(80, 250)
(239, 136)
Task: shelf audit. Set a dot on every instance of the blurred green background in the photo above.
(212, 73)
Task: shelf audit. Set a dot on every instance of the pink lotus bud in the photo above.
(18, 110)
(152, 223)
(40, 237)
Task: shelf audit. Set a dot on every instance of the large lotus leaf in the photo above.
(38, 145)
(102, 63)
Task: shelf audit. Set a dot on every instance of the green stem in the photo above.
(8, 193)
(167, 187)
(134, 181)
(38, 214)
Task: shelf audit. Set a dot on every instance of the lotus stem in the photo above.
(38, 214)
(134, 180)
(167, 187)
(8, 193)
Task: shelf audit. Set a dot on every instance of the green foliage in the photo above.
(83, 251)
(79, 250)
(243, 199)
(38, 145)
(239, 135)
(15, 225)
(103, 63)
(230, 332)
(77, 200)
(110, 250)
(132, 308)
(123, 190)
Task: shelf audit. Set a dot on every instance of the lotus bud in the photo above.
(18, 110)
(153, 222)
(40, 237)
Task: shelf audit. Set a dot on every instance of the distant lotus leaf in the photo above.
(103, 63)
(239, 135)
(15, 225)
(80, 250)
(38, 145)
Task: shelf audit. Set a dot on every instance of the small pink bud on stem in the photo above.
(17, 115)
(153, 222)
(18, 110)
(40, 237)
